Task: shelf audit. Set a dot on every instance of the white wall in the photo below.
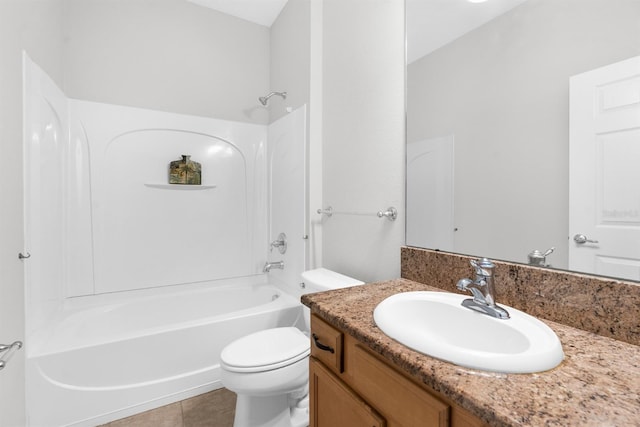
(290, 71)
(290, 56)
(33, 25)
(363, 135)
(169, 55)
(286, 153)
(317, 47)
(158, 234)
(46, 149)
(503, 92)
(314, 158)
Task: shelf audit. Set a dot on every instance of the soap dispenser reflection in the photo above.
(539, 258)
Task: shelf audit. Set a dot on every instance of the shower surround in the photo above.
(121, 258)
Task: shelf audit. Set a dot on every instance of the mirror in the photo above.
(488, 119)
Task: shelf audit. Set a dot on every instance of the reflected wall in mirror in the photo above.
(488, 126)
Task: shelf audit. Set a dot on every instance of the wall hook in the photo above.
(23, 256)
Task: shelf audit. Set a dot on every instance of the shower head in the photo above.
(264, 99)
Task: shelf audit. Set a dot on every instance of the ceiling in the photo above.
(430, 23)
(262, 12)
(434, 23)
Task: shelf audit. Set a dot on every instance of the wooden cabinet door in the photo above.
(401, 402)
(333, 404)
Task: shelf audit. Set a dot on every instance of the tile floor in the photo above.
(213, 409)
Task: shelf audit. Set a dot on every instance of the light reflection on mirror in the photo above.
(488, 124)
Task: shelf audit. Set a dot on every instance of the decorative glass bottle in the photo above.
(185, 172)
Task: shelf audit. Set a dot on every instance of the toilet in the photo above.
(269, 369)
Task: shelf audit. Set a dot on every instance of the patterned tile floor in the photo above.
(213, 409)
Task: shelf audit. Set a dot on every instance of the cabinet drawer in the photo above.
(398, 399)
(326, 344)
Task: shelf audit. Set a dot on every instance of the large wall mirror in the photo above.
(490, 117)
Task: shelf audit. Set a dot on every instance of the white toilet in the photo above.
(269, 370)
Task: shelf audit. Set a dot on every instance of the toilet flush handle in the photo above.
(321, 346)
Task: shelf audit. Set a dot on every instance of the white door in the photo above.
(604, 171)
(429, 218)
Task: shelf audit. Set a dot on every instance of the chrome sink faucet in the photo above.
(269, 265)
(482, 289)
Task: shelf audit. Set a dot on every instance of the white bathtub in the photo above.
(137, 351)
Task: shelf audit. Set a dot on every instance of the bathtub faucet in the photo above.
(269, 265)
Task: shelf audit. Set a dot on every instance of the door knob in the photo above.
(581, 239)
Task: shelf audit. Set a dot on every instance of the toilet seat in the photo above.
(266, 350)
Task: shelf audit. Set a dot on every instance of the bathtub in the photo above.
(112, 356)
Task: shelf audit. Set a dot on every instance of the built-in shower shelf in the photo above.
(181, 187)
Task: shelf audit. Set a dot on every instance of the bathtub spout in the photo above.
(269, 265)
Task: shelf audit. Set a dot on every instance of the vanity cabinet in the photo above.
(350, 386)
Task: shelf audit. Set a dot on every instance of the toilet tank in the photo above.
(321, 279)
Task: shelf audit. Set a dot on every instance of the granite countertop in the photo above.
(598, 383)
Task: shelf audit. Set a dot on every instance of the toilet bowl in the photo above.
(269, 369)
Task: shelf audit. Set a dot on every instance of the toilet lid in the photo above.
(266, 350)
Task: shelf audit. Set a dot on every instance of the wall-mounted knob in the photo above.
(391, 213)
(280, 243)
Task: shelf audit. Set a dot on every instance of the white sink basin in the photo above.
(436, 324)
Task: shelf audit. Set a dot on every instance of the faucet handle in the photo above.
(463, 283)
(483, 266)
(280, 243)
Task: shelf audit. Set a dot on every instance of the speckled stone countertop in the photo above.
(598, 383)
